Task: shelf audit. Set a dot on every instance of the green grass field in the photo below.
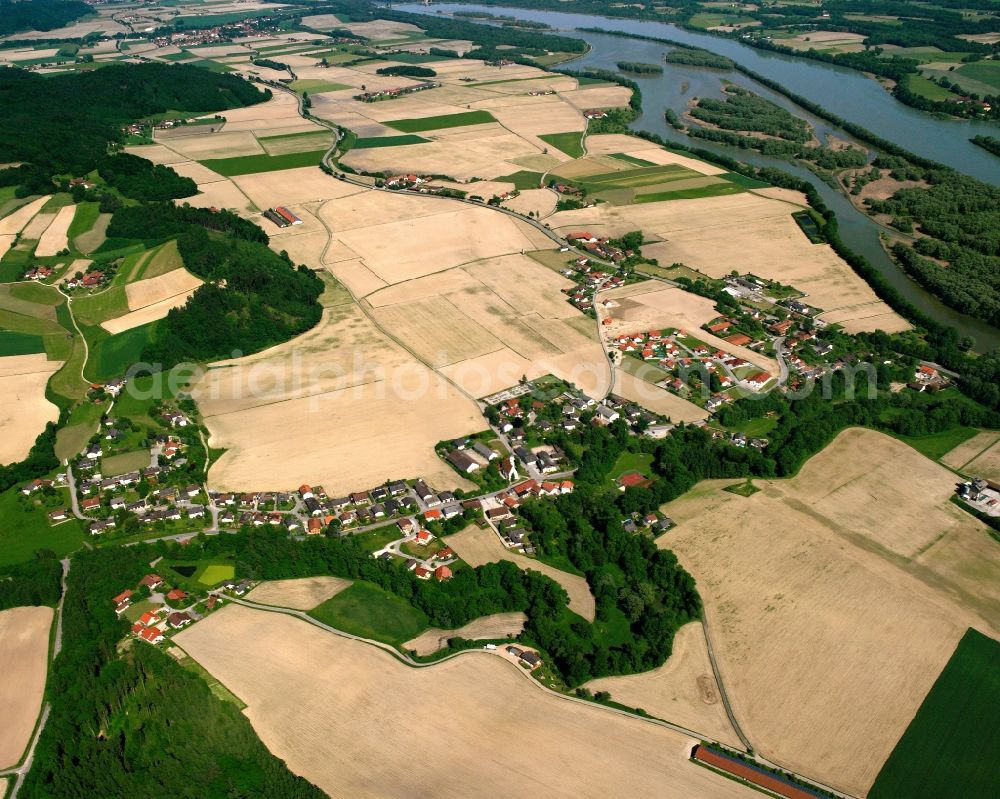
(111, 356)
(712, 190)
(984, 71)
(441, 122)
(628, 462)
(125, 462)
(137, 400)
(248, 164)
(14, 343)
(936, 445)
(631, 159)
(643, 370)
(365, 609)
(523, 179)
(164, 259)
(387, 141)
(214, 573)
(26, 529)
(315, 86)
(570, 143)
(921, 86)
(93, 309)
(83, 220)
(951, 750)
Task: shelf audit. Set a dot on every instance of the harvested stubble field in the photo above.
(152, 298)
(303, 593)
(968, 450)
(478, 715)
(834, 599)
(495, 627)
(15, 222)
(24, 653)
(269, 410)
(54, 239)
(749, 233)
(658, 400)
(986, 463)
(683, 690)
(477, 547)
(24, 410)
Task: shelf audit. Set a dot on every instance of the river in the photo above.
(846, 93)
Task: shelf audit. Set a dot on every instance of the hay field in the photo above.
(38, 225)
(658, 400)
(752, 234)
(986, 465)
(24, 410)
(24, 655)
(477, 547)
(488, 323)
(827, 638)
(969, 449)
(54, 238)
(683, 690)
(497, 626)
(450, 730)
(541, 201)
(162, 287)
(303, 593)
(15, 222)
(270, 409)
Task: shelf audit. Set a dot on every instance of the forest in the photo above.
(135, 722)
(77, 135)
(696, 57)
(407, 70)
(35, 582)
(639, 68)
(141, 179)
(743, 110)
(252, 299)
(958, 214)
(39, 15)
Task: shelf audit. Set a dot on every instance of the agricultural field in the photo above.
(366, 610)
(624, 184)
(24, 655)
(952, 746)
(749, 233)
(977, 457)
(683, 690)
(24, 410)
(477, 547)
(497, 627)
(27, 530)
(199, 574)
(275, 663)
(151, 298)
(870, 544)
(302, 593)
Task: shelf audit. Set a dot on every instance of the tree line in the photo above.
(40, 15)
(136, 723)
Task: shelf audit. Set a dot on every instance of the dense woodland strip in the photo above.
(35, 582)
(134, 722)
(40, 15)
(989, 143)
(252, 299)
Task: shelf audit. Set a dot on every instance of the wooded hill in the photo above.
(39, 15)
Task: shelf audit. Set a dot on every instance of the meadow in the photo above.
(951, 749)
(250, 164)
(366, 610)
(441, 122)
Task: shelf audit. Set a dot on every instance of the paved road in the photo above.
(71, 483)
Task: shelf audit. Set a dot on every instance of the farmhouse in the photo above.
(462, 461)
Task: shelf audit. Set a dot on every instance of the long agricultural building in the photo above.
(755, 775)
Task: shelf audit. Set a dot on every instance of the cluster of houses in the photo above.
(392, 94)
(589, 282)
(39, 273)
(252, 26)
(282, 217)
(598, 246)
(358, 507)
(656, 523)
(404, 181)
(153, 625)
(88, 280)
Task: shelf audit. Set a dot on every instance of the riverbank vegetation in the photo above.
(639, 68)
(989, 143)
(696, 57)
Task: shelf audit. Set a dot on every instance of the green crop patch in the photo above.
(439, 123)
(111, 356)
(249, 164)
(315, 86)
(951, 750)
(367, 610)
(388, 141)
(570, 143)
(523, 179)
(14, 343)
(713, 190)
